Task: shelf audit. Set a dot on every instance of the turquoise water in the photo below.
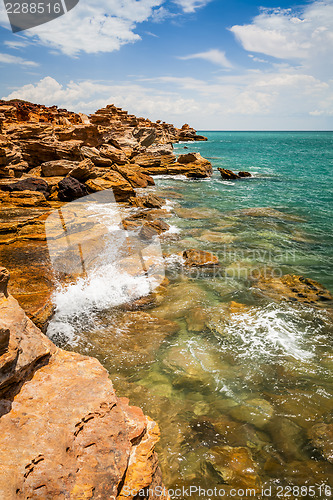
(292, 171)
(236, 380)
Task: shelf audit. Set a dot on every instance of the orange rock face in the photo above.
(63, 431)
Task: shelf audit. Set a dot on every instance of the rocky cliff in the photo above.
(64, 434)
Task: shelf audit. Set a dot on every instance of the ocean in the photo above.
(238, 380)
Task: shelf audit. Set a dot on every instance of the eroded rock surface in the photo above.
(64, 434)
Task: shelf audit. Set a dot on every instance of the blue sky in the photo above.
(216, 64)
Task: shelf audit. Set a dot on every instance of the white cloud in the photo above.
(15, 44)
(285, 34)
(190, 6)
(87, 96)
(214, 56)
(9, 59)
(93, 26)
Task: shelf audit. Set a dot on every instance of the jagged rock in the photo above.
(122, 189)
(57, 168)
(199, 258)
(83, 171)
(135, 175)
(70, 189)
(150, 201)
(29, 184)
(293, 288)
(186, 133)
(93, 154)
(114, 154)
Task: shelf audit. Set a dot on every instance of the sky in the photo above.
(215, 64)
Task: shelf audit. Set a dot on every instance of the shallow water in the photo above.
(216, 364)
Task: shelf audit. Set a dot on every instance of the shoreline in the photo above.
(195, 259)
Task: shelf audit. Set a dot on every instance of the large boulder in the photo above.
(63, 431)
(122, 189)
(228, 174)
(71, 189)
(114, 154)
(58, 168)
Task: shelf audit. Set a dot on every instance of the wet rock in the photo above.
(257, 412)
(235, 466)
(71, 189)
(77, 439)
(216, 237)
(149, 201)
(288, 438)
(321, 437)
(199, 258)
(244, 174)
(228, 174)
(134, 338)
(293, 288)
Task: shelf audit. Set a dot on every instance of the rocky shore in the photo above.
(64, 432)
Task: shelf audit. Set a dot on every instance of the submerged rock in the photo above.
(235, 466)
(293, 288)
(321, 436)
(199, 258)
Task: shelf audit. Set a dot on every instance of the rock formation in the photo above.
(63, 431)
(230, 175)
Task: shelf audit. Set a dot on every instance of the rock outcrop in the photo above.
(229, 175)
(63, 431)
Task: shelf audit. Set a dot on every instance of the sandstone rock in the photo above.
(122, 189)
(83, 171)
(255, 411)
(58, 168)
(114, 154)
(244, 174)
(76, 438)
(134, 175)
(71, 189)
(29, 184)
(24, 199)
(94, 155)
(199, 258)
(235, 466)
(149, 201)
(190, 158)
(268, 212)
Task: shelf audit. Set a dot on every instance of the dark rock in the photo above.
(29, 184)
(228, 174)
(244, 174)
(70, 189)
